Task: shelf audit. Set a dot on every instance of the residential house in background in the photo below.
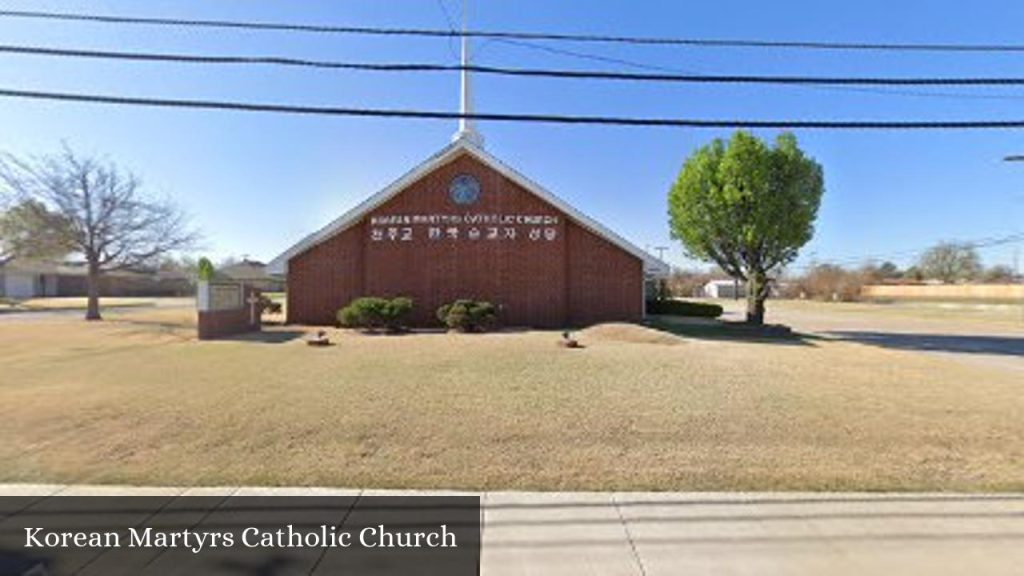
(21, 279)
(725, 289)
(254, 274)
(28, 278)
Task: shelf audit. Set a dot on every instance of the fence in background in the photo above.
(982, 292)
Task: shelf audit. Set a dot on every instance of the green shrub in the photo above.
(683, 308)
(398, 310)
(205, 270)
(371, 313)
(269, 306)
(468, 315)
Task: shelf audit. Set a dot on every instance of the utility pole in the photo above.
(1016, 251)
(661, 252)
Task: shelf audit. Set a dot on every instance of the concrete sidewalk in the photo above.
(654, 534)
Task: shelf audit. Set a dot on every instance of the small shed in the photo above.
(725, 289)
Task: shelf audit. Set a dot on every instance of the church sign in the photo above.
(226, 308)
(470, 227)
(225, 297)
(217, 296)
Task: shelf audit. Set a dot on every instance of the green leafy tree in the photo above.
(29, 230)
(951, 262)
(913, 274)
(889, 271)
(205, 269)
(748, 208)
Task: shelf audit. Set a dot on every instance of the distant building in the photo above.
(254, 274)
(21, 279)
(28, 279)
(725, 289)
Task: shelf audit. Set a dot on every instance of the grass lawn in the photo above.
(136, 399)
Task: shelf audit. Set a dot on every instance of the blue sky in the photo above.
(256, 183)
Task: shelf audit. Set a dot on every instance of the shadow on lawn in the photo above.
(706, 329)
(266, 337)
(963, 344)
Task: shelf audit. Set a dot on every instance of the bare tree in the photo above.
(999, 274)
(951, 262)
(103, 214)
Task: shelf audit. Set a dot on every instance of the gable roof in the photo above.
(245, 270)
(279, 265)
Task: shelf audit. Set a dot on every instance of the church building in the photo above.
(463, 224)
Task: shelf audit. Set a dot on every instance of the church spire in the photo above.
(467, 126)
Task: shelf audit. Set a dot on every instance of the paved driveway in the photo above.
(7, 315)
(995, 344)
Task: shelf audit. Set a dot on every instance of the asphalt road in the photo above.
(49, 315)
(990, 343)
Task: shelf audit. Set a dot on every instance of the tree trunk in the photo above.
(92, 310)
(757, 292)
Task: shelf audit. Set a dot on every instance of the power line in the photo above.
(589, 56)
(451, 27)
(493, 34)
(858, 89)
(534, 118)
(981, 243)
(525, 72)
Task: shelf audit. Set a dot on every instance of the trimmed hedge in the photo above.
(371, 313)
(683, 308)
(468, 315)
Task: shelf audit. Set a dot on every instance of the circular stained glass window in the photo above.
(464, 189)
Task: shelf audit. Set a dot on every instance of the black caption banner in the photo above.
(239, 535)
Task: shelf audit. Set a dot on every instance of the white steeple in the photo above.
(467, 127)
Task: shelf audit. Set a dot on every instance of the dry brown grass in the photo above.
(138, 400)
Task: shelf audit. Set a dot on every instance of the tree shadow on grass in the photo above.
(708, 329)
(962, 344)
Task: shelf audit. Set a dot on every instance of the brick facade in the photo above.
(550, 275)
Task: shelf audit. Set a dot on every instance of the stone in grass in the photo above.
(320, 339)
(568, 341)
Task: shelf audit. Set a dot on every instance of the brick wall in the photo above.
(221, 323)
(573, 277)
(126, 286)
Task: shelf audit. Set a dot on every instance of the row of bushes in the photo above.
(372, 313)
(683, 308)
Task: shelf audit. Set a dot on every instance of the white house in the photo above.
(27, 279)
(725, 289)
